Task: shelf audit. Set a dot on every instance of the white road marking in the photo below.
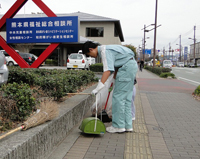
(189, 80)
(189, 72)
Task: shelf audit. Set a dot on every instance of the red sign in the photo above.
(10, 14)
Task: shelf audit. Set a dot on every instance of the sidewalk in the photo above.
(166, 126)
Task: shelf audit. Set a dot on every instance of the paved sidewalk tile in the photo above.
(178, 117)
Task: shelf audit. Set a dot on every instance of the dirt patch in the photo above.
(197, 97)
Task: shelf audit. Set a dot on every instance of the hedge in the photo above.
(157, 70)
(197, 90)
(25, 87)
(98, 67)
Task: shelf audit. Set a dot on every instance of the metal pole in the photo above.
(169, 50)
(180, 49)
(163, 53)
(194, 45)
(154, 49)
(144, 44)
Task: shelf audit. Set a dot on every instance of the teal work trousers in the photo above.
(122, 95)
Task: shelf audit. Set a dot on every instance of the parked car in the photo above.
(190, 64)
(28, 57)
(80, 52)
(77, 60)
(167, 64)
(9, 59)
(180, 64)
(36, 59)
(91, 60)
(3, 69)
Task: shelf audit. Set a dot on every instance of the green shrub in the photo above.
(157, 70)
(19, 75)
(167, 74)
(51, 62)
(197, 90)
(98, 67)
(17, 102)
(54, 82)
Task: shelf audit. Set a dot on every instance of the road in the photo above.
(189, 75)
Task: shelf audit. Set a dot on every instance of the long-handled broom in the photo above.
(48, 111)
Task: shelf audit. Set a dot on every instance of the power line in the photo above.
(187, 33)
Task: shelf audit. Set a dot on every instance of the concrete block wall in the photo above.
(40, 141)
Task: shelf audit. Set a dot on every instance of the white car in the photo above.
(9, 59)
(77, 60)
(91, 60)
(181, 64)
(167, 64)
(3, 69)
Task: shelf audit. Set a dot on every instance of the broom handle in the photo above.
(80, 93)
(12, 131)
(108, 97)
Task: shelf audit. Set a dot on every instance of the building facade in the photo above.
(197, 52)
(92, 27)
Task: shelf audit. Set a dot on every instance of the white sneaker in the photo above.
(129, 130)
(112, 129)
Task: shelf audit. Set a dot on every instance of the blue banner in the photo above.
(185, 52)
(148, 51)
(42, 30)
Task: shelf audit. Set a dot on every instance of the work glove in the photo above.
(98, 88)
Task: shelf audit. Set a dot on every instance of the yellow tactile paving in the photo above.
(137, 143)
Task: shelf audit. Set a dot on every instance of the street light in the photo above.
(144, 38)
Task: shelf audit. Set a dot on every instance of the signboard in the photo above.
(42, 30)
(185, 52)
(148, 51)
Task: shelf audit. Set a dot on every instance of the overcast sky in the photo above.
(177, 17)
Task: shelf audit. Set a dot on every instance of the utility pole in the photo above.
(163, 53)
(142, 52)
(180, 49)
(144, 44)
(169, 50)
(194, 46)
(154, 48)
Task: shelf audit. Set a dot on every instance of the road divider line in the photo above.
(189, 72)
(189, 80)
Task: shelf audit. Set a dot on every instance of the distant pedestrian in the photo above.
(141, 65)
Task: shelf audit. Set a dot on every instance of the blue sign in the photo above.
(42, 30)
(148, 51)
(185, 52)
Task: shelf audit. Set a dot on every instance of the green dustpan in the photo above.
(92, 125)
(88, 126)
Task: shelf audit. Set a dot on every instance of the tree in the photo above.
(132, 48)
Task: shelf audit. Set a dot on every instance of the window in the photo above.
(116, 32)
(94, 32)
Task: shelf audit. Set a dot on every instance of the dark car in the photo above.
(28, 57)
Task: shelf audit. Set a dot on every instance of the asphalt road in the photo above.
(189, 75)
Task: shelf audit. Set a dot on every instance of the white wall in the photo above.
(108, 35)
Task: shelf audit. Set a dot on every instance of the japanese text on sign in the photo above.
(42, 30)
